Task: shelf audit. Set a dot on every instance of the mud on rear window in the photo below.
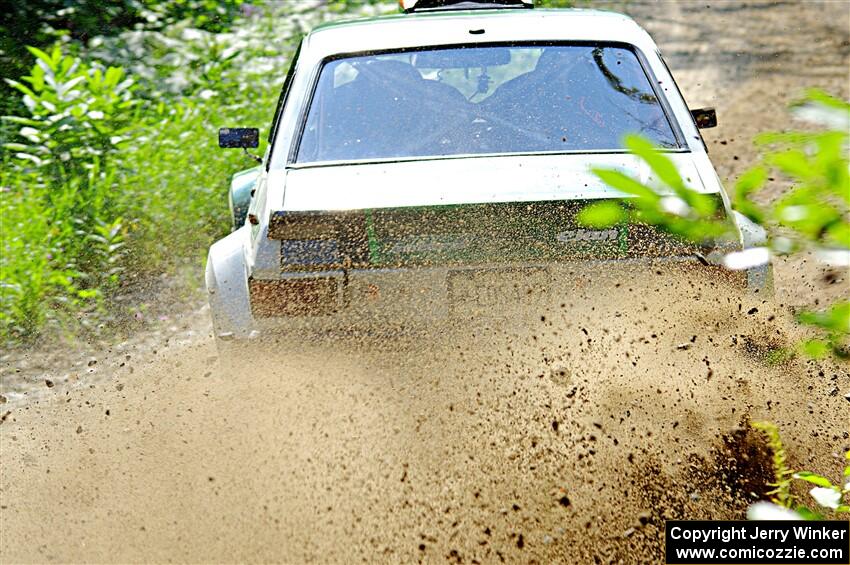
(481, 100)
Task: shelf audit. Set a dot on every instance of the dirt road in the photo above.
(568, 434)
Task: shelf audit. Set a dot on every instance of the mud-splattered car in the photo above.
(414, 160)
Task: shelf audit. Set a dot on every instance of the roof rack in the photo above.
(410, 6)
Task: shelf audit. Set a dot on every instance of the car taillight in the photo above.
(295, 296)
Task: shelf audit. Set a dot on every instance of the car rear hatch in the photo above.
(499, 214)
(487, 210)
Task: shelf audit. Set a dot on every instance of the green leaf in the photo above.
(703, 204)
(813, 478)
(822, 97)
(793, 163)
(67, 63)
(16, 147)
(36, 78)
(22, 88)
(750, 181)
(750, 210)
(660, 164)
(816, 348)
(23, 121)
(56, 56)
(804, 211)
(822, 109)
(41, 55)
(113, 75)
(839, 233)
(624, 183)
(601, 214)
(807, 513)
(836, 318)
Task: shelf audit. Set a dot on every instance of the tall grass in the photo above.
(114, 169)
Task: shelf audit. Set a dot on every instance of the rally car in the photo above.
(415, 158)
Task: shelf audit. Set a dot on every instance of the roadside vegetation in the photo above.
(812, 217)
(110, 171)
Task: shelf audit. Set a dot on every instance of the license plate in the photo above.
(485, 291)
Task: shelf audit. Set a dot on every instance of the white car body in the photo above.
(249, 253)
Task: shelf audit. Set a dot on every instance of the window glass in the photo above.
(474, 100)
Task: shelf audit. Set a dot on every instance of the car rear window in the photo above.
(481, 100)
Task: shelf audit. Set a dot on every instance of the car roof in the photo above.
(449, 27)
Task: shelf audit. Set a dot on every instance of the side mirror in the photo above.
(705, 117)
(245, 138)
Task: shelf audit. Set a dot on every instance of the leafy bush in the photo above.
(79, 115)
(40, 23)
(210, 15)
(60, 191)
(114, 167)
(89, 154)
(813, 215)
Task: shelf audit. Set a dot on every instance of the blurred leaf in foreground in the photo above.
(812, 215)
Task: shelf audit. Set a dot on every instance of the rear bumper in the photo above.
(419, 297)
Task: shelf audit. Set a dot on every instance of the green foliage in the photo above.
(828, 496)
(665, 201)
(348, 6)
(37, 289)
(602, 214)
(175, 181)
(78, 116)
(40, 23)
(834, 325)
(814, 214)
(60, 190)
(90, 154)
(111, 166)
(35, 22)
(781, 493)
(108, 244)
(210, 15)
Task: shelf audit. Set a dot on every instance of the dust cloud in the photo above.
(569, 426)
(565, 428)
